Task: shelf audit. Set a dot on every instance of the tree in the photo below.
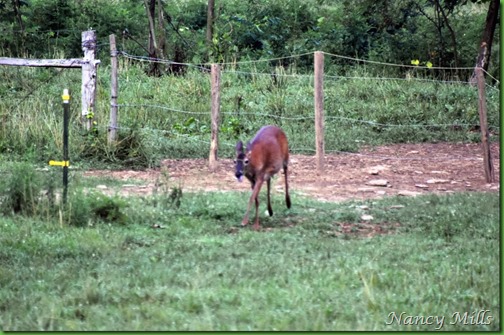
(11, 18)
(440, 20)
(210, 19)
(487, 38)
(154, 51)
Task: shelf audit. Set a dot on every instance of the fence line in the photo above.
(204, 69)
(142, 58)
(319, 99)
(488, 74)
(398, 79)
(160, 107)
(265, 60)
(397, 65)
(298, 150)
(327, 118)
(165, 61)
(357, 60)
(336, 77)
(269, 74)
(161, 61)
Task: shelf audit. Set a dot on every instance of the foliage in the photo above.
(377, 30)
(21, 190)
(36, 193)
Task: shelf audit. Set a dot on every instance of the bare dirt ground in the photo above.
(404, 169)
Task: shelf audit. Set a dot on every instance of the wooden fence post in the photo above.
(89, 73)
(215, 92)
(319, 110)
(487, 157)
(88, 65)
(112, 131)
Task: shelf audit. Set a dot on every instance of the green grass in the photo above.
(169, 116)
(302, 272)
(97, 263)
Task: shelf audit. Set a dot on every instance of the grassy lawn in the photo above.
(180, 261)
(200, 271)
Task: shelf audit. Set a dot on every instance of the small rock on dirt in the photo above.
(437, 181)
(439, 172)
(376, 169)
(378, 182)
(366, 189)
(421, 186)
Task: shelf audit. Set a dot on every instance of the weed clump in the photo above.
(29, 192)
(24, 191)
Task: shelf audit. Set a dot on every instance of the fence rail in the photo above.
(88, 65)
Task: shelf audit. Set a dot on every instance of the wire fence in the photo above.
(205, 68)
(195, 139)
(234, 69)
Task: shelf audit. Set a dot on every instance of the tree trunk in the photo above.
(209, 26)
(210, 19)
(17, 13)
(452, 34)
(486, 41)
(150, 7)
(162, 31)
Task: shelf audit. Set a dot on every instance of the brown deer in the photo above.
(266, 154)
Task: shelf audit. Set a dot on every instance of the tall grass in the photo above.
(170, 116)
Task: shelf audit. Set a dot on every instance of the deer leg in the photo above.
(287, 197)
(257, 190)
(253, 197)
(270, 210)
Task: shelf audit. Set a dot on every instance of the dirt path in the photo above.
(408, 169)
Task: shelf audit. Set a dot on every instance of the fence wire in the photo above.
(328, 118)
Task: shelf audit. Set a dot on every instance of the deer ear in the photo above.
(239, 147)
(249, 147)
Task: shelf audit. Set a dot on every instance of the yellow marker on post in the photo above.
(65, 96)
(59, 163)
(65, 163)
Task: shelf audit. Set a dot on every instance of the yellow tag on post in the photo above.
(59, 163)
(66, 95)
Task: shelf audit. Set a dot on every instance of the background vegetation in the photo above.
(444, 32)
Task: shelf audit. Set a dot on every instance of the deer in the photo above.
(265, 155)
